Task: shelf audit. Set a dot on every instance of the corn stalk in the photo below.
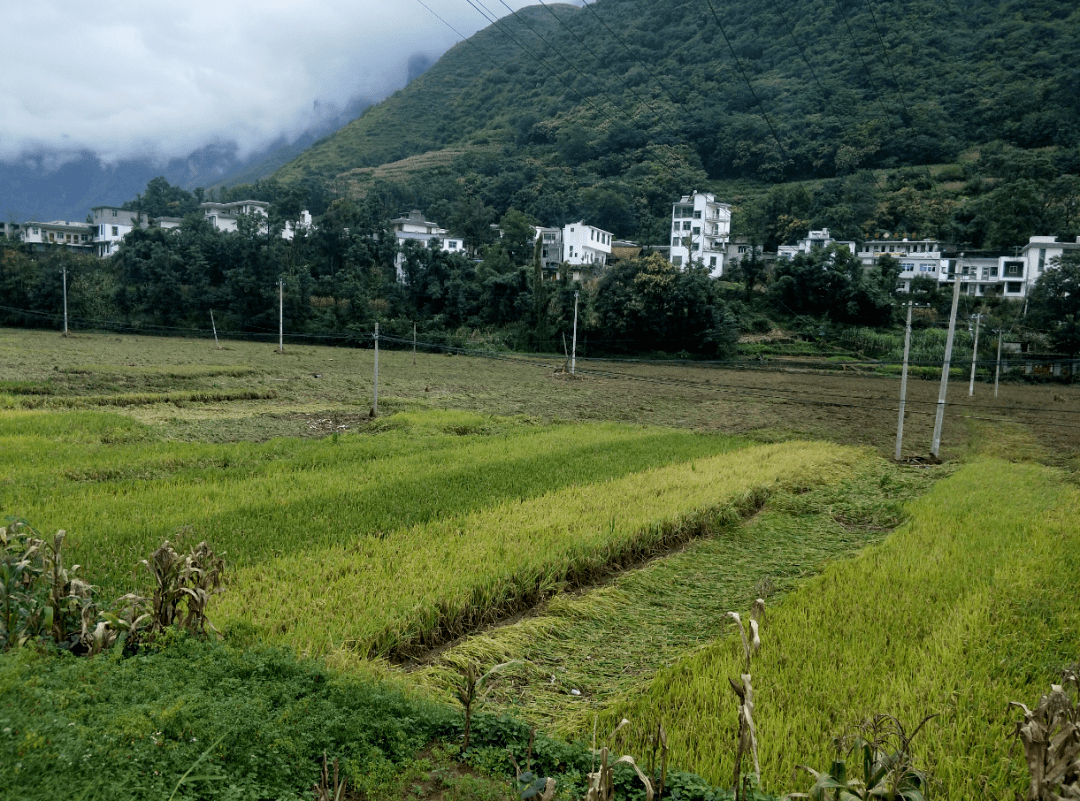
(601, 780)
(746, 743)
(1050, 734)
(183, 586)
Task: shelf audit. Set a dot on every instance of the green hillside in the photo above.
(610, 109)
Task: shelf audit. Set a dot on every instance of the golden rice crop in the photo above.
(118, 492)
(424, 584)
(969, 605)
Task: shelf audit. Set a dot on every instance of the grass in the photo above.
(967, 606)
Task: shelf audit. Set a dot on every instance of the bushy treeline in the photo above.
(341, 278)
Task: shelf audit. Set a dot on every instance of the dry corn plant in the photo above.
(659, 742)
(183, 586)
(329, 788)
(602, 779)
(474, 687)
(39, 597)
(1050, 734)
(746, 743)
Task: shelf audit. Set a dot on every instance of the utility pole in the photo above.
(573, 345)
(375, 405)
(414, 344)
(281, 316)
(935, 446)
(214, 326)
(903, 385)
(974, 356)
(64, 271)
(997, 370)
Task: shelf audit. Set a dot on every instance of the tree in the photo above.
(649, 304)
(831, 282)
(1054, 304)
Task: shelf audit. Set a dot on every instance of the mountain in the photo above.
(616, 108)
(45, 186)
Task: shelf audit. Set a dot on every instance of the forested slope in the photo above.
(805, 88)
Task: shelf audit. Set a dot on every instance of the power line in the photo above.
(746, 80)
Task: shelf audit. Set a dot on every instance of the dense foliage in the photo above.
(614, 110)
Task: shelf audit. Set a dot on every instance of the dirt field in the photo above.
(319, 390)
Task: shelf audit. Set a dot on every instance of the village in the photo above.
(700, 234)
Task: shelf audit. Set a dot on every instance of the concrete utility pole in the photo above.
(214, 326)
(573, 345)
(935, 447)
(997, 370)
(375, 404)
(974, 356)
(64, 271)
(281, 316)
(903, 385)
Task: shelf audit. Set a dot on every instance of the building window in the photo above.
(115, 230)
(712, 261)
(674, 241)
(697, 215)
(1014, 269)
(1014, 287)
(677, 261)
(686, 226)
(697, 230)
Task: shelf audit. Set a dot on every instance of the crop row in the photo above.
(428, 583)
(118, 492)
(968, 606)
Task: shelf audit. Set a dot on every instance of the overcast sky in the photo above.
(139, 78)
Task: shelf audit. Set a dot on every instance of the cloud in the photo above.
(153, 80)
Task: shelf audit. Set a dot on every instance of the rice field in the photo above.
(417, 587)
(620, 515)
(969, 605)
(119, 490)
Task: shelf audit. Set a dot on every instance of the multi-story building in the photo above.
(551, 248)
(575, 244)
(1038, 255)
(11, 230)
(224, 216)
(585, 245)
(412, 227)
(42, 236)
(918, 258)
(814, 239)
(700, 230)
(111, 224)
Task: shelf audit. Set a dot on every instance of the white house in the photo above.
(1040, 251)
(918, 258)
(412, 227)
(700, 230)
(585, 244)
(814, 239)
(111, 224)
(223, 216)
(59, 233)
